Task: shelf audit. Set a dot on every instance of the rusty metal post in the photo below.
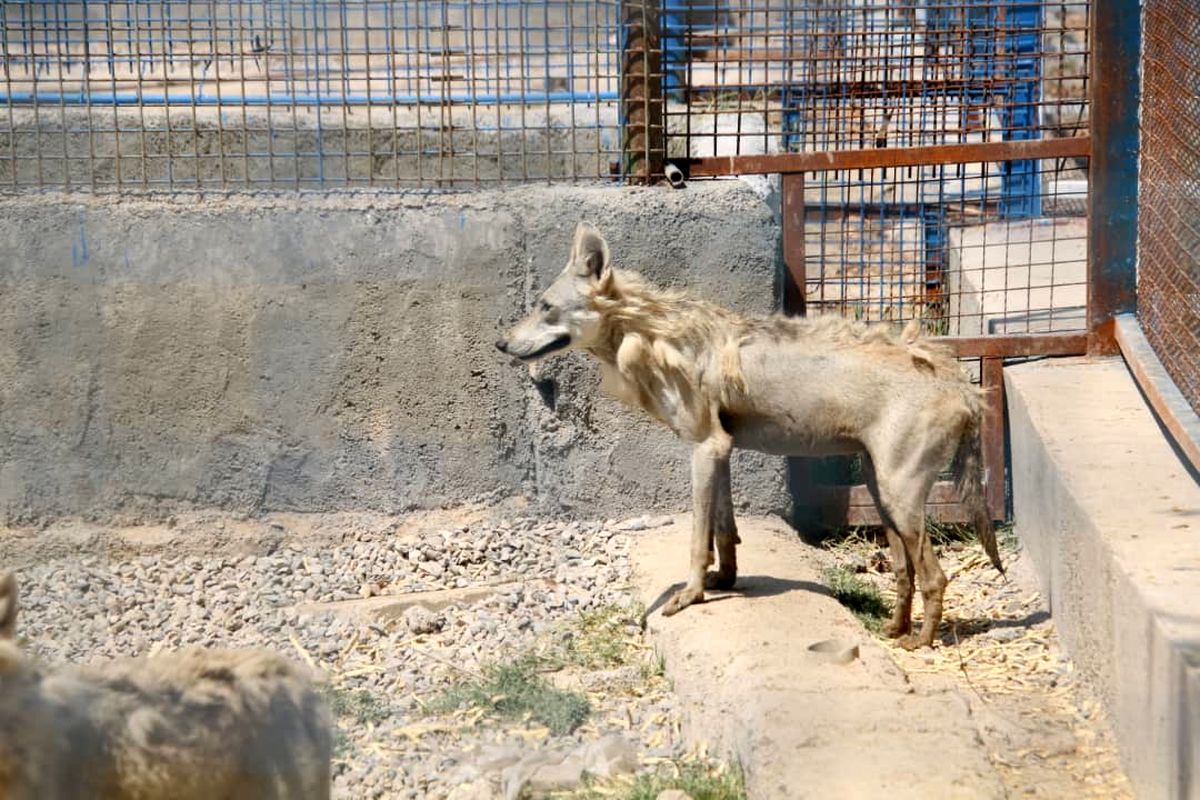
(643, 137)
(795, 278)
(811, 509)
(1113, 175)
(996, 491)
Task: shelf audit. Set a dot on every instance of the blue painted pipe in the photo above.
(296, 99)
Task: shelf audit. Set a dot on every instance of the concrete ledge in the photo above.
(802, 727)
(1111, 519)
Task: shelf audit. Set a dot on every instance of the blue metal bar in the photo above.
(1113, 173)
(299, 99)
(1021, 193)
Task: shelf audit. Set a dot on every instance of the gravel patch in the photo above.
(382, 675)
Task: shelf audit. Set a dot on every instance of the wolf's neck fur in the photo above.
(667, 353)
(630, 306)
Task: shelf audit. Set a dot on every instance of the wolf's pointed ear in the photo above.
(8, 606)
(589, 252)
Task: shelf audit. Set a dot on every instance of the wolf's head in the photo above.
(563, 317)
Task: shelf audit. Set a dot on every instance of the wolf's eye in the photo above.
(543, 307)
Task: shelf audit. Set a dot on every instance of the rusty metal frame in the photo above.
(643, 131)
(1170, 406)
(974, 152)
(1113, 172)
(852, 505)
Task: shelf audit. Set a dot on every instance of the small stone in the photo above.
(611, 679)
(478, 789)
(673, 794)
(495, 759)
(433, 568)
(1006, 634)
(612, 755)
(368, 590)
(539, 773)
(421, 620)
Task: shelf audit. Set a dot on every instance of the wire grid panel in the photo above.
(935, 243)
(973, 248)
(810, 75)
(307, 93)
(1169, 205)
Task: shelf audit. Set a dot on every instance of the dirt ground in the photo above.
(994, 710)
(1029, 727)
(1045, 732)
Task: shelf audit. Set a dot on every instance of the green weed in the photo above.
(699, 781)
(358, 705)
(515, 690)
(861, 598)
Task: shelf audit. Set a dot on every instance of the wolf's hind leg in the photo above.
(725, 532)
(902, 565)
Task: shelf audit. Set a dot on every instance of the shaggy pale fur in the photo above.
(192, 725)
(656, 338)
(803, 387)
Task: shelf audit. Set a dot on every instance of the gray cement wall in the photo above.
(334, 352)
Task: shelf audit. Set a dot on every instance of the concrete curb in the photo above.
(1109, 516)
(802, 726)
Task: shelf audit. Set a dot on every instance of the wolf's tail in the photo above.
(968, 469)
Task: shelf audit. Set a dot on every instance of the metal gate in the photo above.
(938, 160)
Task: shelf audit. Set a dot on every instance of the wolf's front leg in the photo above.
(710, 459)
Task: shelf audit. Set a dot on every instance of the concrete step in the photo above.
(802, 726)
(1111, 518)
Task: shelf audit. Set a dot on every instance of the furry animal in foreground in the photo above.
(197, 724)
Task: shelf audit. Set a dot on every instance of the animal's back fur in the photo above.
(194, 724)
(700, 342)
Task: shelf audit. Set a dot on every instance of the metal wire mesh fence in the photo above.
(1169, 223)
(310, 94)
(870, 73)
(974, 246)
(936, 244)
(307, 93)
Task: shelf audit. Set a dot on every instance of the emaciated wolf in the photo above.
(786, 386)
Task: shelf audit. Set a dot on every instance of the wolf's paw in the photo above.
(914, 641)
(681, 600)
(719, 580)
(893, 629)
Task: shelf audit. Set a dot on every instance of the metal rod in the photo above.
(1169, 404)
(996, 490)
(795, 278)
(833, 160)
(296, 99)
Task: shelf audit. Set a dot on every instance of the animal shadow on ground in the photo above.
(973, 626)
(748, 586)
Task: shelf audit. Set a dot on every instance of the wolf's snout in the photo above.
(502, 345)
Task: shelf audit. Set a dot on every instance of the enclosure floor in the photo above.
(994, 710)
(394, 610)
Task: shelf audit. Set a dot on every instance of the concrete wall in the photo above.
(334, 352)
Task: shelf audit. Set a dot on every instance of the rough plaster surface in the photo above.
(799, 726)
(1109, 515)
(333, 352)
